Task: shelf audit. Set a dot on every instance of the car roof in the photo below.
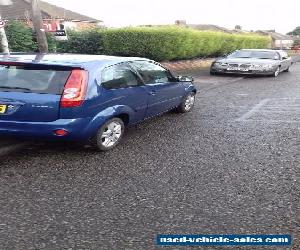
(70, 60)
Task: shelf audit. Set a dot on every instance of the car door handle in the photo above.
(152, 92)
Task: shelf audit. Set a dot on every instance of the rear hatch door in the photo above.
(31, 92)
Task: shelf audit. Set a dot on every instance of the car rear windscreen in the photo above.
(32, 78)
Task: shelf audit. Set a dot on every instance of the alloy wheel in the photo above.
(111, 134)
(189, 102)
(276, 73)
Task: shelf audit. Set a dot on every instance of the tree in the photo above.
(295, 32)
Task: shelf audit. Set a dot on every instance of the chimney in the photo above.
(180, 22)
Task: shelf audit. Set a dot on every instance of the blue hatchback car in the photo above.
(85, 98)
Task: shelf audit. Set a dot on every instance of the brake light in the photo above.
(11, 63)
(75, 89)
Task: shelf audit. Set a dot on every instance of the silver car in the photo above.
(253, 62)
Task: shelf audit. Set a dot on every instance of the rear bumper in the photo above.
(78, 129)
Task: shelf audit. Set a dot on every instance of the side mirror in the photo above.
(184, 79)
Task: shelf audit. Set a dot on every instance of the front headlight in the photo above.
(222, 64)
(261, 66)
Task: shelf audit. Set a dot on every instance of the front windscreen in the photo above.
(255, 54)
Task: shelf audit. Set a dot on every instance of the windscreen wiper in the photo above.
(7, 87)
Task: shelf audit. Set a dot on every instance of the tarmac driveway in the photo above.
(229, 167)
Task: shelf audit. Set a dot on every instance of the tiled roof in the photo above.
(21, 10)
(209, 27)
(275, 35)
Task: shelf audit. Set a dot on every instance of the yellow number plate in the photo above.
(2, 109)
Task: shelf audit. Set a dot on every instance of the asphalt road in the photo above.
(229, 167)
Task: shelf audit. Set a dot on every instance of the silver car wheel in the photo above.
(111, 134)
(189, 102)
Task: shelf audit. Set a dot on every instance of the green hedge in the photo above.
(158, 43)
(169, 43)
(83, 42)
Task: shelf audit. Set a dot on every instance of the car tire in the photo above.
(109, 135)
(214, 73)
(187, 103)
(276, 72)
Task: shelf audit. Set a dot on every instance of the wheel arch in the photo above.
(124, 117)
(122, 112)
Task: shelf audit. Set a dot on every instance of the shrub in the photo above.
(20, 37)
(50, 39)
(83, 42)
(52, 43)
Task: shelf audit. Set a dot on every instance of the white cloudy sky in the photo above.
(251, 15)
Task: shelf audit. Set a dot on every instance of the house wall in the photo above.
(48, 25)
(286, 44)
(85, 26)
(53, 25)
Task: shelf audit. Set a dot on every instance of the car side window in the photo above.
(119, 76)
(152, 73)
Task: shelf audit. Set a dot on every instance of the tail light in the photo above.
(11, 63)
(75, 89)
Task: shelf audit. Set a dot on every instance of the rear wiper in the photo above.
(7, 87)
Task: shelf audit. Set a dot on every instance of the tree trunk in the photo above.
(4, 42)
(38, 26)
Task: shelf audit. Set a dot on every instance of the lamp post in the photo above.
(4, 42)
